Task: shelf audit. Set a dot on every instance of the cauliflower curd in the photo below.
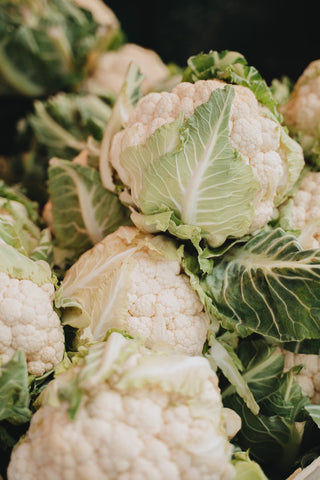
(29, 323)
(305, 213)
(309, 377)
(110, 71)
(252, 132)
(302, 111)
(142, 416)
(162, 305)
(134, 282)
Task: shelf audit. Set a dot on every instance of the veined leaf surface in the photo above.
(270, 286)
(84, 211)
(203, 181)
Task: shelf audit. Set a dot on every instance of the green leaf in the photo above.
(226, 362)
(270, 286)
(281, 89)
(263, 367)
(44, 249)
(305, 346)
(17, 265)
(246, 469)
(126, 100)
(231, 67)
(45, 47)
(38, 384)
(136, 160)
(208, 65)
(10, 235)
(314, 412)
(17, 229)
(14, 393)
(292, 150)
(12, 193)
(195, 181)
(67, 123)
(84, 212)
(288, 400)
(267, 438)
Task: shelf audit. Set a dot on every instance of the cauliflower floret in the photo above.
(306, 210)
(137, 289)
(146, 428)
(111, 68)
(302, 111)
(29, 323)
(101, 13)
(163, 307)
(255, 136)
(309, 377)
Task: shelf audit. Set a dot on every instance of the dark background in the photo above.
(278, 37)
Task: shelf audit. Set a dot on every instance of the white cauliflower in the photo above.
(304, 210)
(302, 111)
(309, 377)
(253, 132)
(134, 282)
(29, 323)
(111, 68)
(142, 415)
(101, 13)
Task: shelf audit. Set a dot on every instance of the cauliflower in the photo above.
(101, 13)
(302, 111)
(61, 40)
(141, 415)
(201, 179)
(18, 220)
(110, 71)
(309, 377)
(134, 282)
(29, 323)
(304, 210)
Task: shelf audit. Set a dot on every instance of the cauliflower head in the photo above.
(309, 377)
(134, 282)
(29, 323)
(209, 152)
(111, 68)
(302, 112)
(101, 13)
(303, 210)
(141, 415)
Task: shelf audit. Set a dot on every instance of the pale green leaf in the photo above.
(314, 412)
(17, 265)
(14, 393)
(126, 100)
(84, 211)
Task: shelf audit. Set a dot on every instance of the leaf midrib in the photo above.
(190, 198)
